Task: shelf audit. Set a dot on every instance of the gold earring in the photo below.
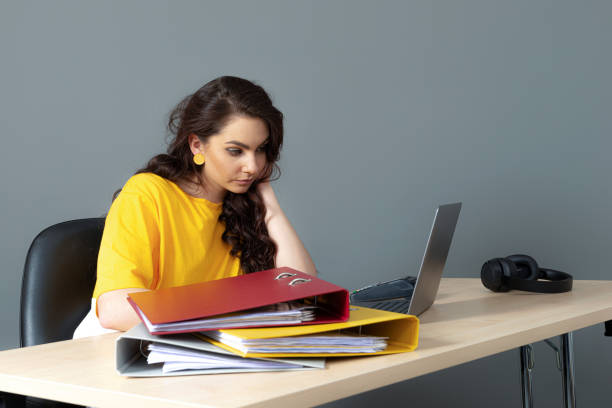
(198, 159)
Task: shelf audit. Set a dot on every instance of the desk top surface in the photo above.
(465, 323)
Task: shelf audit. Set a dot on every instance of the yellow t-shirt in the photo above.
(157, 236)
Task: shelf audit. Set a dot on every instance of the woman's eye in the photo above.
(234, 152)
(261, 149)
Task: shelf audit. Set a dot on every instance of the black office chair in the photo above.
(58, 281)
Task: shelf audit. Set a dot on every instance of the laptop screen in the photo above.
(436, 252)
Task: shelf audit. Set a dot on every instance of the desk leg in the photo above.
(567, 358)
(526, 353)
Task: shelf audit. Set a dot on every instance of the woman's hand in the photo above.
(114, 311)
(269, 199)
(291, 251)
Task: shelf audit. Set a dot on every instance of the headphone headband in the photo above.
(553, 282)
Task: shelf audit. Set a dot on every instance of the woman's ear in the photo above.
(195, 144)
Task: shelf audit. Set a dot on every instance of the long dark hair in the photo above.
(205, 113)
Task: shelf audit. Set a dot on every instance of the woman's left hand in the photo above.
(269, 198)
(265, 189)
(290, 249)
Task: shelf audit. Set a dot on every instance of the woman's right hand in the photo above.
(114, 311)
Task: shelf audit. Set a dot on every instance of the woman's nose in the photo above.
(250, 165)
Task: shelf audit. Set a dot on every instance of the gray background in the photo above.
(391, 109)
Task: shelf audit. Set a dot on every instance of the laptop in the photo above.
(414, 295)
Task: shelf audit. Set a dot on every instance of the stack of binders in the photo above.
(279, 319)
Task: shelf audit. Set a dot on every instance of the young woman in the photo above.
(203, 211)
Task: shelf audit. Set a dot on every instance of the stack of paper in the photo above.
(279, 319)
(308, 344)
(279, 314)
(186, 354)
(180, 358)
(367, 332)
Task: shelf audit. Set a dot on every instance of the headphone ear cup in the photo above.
(525, 267)
(509, 268)
(492, 274)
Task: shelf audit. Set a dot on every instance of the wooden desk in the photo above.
(467, 322)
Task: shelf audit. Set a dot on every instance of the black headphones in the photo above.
(522, 272)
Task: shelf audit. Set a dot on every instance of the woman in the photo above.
(203, 211)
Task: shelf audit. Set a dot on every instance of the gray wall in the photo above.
(390, 110)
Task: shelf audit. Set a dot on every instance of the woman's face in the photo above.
(234, 157)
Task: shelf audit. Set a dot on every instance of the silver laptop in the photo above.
(414, 295)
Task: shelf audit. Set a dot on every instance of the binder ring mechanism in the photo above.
(294, 281)
(298, 280)
(285, 275)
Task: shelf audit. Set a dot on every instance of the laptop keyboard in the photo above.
(392, 305)
(393, 296)
(397, 306)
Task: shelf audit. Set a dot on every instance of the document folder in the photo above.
(240, 293)
(131, 360)
(402, 332)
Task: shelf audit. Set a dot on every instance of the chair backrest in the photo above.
(58, 280)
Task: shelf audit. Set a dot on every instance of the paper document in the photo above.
(177, 358)
(399, 331)
(132, 352)
(325, 343)
(286, 313)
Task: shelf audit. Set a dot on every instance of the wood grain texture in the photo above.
(467, 322)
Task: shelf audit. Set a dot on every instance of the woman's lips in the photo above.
(244, 182)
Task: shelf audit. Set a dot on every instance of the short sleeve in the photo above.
(129, 251)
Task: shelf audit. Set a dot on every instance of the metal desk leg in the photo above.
(526, 353)
(567, 365)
